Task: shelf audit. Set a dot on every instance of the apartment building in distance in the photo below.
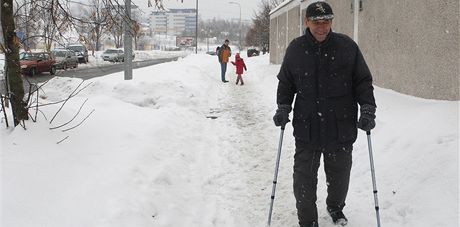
(173, 22)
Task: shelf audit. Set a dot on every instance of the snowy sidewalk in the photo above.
(151, 155)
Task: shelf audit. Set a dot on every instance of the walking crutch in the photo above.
(374, 184)
(275, 178)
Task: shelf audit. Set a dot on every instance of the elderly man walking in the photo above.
(328, 76)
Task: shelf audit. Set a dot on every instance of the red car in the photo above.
(36, 63)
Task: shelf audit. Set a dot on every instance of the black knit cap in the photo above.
(319, 11)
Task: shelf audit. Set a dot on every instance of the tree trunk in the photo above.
(98, 38)
(13, 72)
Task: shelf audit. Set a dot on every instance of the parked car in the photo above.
(253, 52)
(36, 63)
(81, 52)
(65, 59)
(114, 55)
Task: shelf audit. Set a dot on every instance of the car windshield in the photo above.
(111, 51)
(26, 56)
(59, 53)
(76, 48)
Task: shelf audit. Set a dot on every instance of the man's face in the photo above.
(319, 28)
(227, 42)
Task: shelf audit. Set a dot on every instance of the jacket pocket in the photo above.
(302, 127)
(346, 125)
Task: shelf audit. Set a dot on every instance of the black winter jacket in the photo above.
(329, 80)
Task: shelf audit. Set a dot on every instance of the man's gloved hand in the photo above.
(366, 120)
(281, 117)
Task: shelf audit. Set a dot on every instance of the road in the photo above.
(102, 70)
(90, 72)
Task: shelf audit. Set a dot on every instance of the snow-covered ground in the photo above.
(176, 147)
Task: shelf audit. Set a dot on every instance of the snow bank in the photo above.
(176, 147)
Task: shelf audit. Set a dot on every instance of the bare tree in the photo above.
(259, 34)
(95, 20)
(61, 15)
(275, 3)
(221, 29)
(116, 30)
(13, 71)
(26, 21)
(54, 23)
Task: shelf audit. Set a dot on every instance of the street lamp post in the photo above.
(239, 41)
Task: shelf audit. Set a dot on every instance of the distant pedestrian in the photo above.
(264, 49)
(239, 63)
(224, 54)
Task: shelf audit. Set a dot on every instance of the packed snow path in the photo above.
(232, 175)
(247, 143)
(177, 147)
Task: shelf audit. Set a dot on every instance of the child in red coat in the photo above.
(239, 63)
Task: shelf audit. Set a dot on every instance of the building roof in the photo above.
(280, 6)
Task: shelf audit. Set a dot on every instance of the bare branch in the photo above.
(52, 119)
(2, 97)
(72, 95)
(65, 130)
(60, 141)
(78, 112)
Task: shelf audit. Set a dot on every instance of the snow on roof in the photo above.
(280, 6)
(286, 2)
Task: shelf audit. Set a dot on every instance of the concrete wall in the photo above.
(285, 25)
(282, 35)
(295, 24)
(412, 47)
(273, 40)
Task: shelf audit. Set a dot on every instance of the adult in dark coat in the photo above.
(329, 77)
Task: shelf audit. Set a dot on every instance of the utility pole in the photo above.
(128, 42)
(196, 29)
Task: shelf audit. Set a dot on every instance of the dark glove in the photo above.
(367, 119)
(281, 117)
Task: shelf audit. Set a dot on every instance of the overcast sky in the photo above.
(208, 9)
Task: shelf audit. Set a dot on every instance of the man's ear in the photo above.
(305, 20)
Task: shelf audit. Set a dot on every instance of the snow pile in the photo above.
(176, 147)
(95, 59)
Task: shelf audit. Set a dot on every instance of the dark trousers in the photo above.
(223, 70)
(337, 166)
(239, 78)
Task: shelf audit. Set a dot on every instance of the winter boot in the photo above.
(337, 216)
